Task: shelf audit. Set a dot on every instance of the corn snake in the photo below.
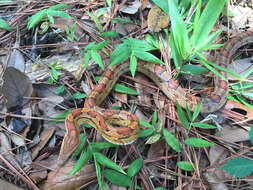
(101, 119)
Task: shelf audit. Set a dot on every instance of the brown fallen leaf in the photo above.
(231, 109)
(60, 180)
(45, 136)
(157, 19)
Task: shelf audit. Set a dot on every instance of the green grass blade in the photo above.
(206, 21)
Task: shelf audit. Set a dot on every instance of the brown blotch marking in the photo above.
(158, 69)
(100, 88)
(76, 112)
(124, 131)
(222, 84)
(108, 74)
(92, 113)
(103, 125)
(216, 98)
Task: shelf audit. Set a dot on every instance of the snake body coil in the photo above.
(101, 119)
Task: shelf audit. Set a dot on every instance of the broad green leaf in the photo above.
(251, 134)
(219, 67)
(197, 15)
(134, 167)
(103, 160)
(54, 64)
(87, 59)
(241, 86)
(61, 117)
(182, 117)
(51, 80)
(175, 53)
(153, 139)
(96, 20)
(196, 111)
(187, 166)
(145, 124)
(59, 7)
(54, 73)
(188, 111)
(90, 46)
(5, 25)
(50, 18)
(101, 145)
(211, 47)
(109, 3)
(240, 99)
(163, 4)
(159, 188)
(193, 69)
(36, 18)
(133, 64)
(146, 56)
(178, 28)
(197, 142)
(210, 39)
(120, 54)
(123, 89)
(121, 20)
(143, 133)
(239, 167)
(60, 89)
(138, 45)
(83, 138)
(101, 11)
(116, 107)
(206, 21)
(100, 45)
(97, 58)
(154, 118)
(79, 95)
(117, 178)
(58, 14)
(111, 34)
(205, 63)
(203, 125)
(171, 140)
(98, 172)
(153, 40)
(82, 161)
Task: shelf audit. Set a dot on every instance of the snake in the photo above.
(121, 127)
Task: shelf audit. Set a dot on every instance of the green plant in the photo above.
(239, 166)
(242, 88)
(54, 76)
(115, 174)
(49, 13)
(134, 49)
(91, 51)
(5, 25)
(153, 130)
(188, 41)
(71, 33)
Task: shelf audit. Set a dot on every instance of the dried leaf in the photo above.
(157, 19)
